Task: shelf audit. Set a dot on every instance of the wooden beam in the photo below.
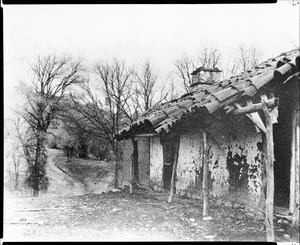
(131, 168)
(205, 174)
(269, 172)
(256, 107)
(173, 179)
(294, 159)
(144, 135)
(255, 118)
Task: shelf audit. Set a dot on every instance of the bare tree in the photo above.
(184, 67)
(52, 76)
(147, 91)
(209, 57)
(105, 119)
(248, 57)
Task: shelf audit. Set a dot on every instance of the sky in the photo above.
(161, 33)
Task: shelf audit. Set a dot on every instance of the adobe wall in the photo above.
(156, 161)
(124, 175)
(143, 159)
(234, 161)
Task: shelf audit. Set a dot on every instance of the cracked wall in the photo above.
(234, 160)
(156, 161)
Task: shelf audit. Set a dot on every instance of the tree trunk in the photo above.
(205, 175)
(270, 174)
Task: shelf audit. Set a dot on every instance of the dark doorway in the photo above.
(169, 147)
(135, 161)
(282, 150)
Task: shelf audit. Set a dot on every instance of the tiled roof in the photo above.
(161, 118)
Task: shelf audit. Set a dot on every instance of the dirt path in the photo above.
(61, 184)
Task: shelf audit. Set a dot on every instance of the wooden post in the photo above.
(131, 168)
(269, 172)
(293, 159)
(173, 179)
(205, 174)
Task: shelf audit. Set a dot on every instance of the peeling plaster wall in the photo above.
(127, 150)
(144, 160)
(156, 161)
(234, 160)
(189, 167)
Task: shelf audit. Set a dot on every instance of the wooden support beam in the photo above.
(255, 118)
(131, 168)
(294, 159)
(269, 155)
(144, 135)
(205, 175)
(131, 175)
(256, 107)
(173, 179)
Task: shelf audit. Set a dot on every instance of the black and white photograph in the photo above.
(151, 122)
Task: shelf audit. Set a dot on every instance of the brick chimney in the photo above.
(204, 76)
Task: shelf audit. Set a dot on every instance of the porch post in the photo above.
(293, 159)
(131, 168)
(269, 172)
(173, 179)
(205, 175)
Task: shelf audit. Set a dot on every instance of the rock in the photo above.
(249, 214)
(228, 204)
(115, 210)
(260, 216)
(189, 195)
(182, 192)
(219, 202)
(192, 219)
(285, 221)
(286, 236)
(281, 230)
(280, 221)
(115, 190)
(210, 236)
(155, 187)
(237, 205)
(207, 218)
(248, 209)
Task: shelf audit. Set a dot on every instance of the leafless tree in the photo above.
(184, 67)
(147, 90)
(248, 57)
(209, 57)
(102, 106)
(52, 76)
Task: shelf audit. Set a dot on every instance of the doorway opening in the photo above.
(169, 148)
(282, 136)
(135, 161)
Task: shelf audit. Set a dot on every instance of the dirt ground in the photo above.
(120, 216)
(67, 213)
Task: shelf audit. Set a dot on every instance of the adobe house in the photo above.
(235, 138)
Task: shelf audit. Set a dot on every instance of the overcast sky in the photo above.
(160, 33)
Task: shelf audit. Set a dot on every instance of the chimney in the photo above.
(204, 77)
